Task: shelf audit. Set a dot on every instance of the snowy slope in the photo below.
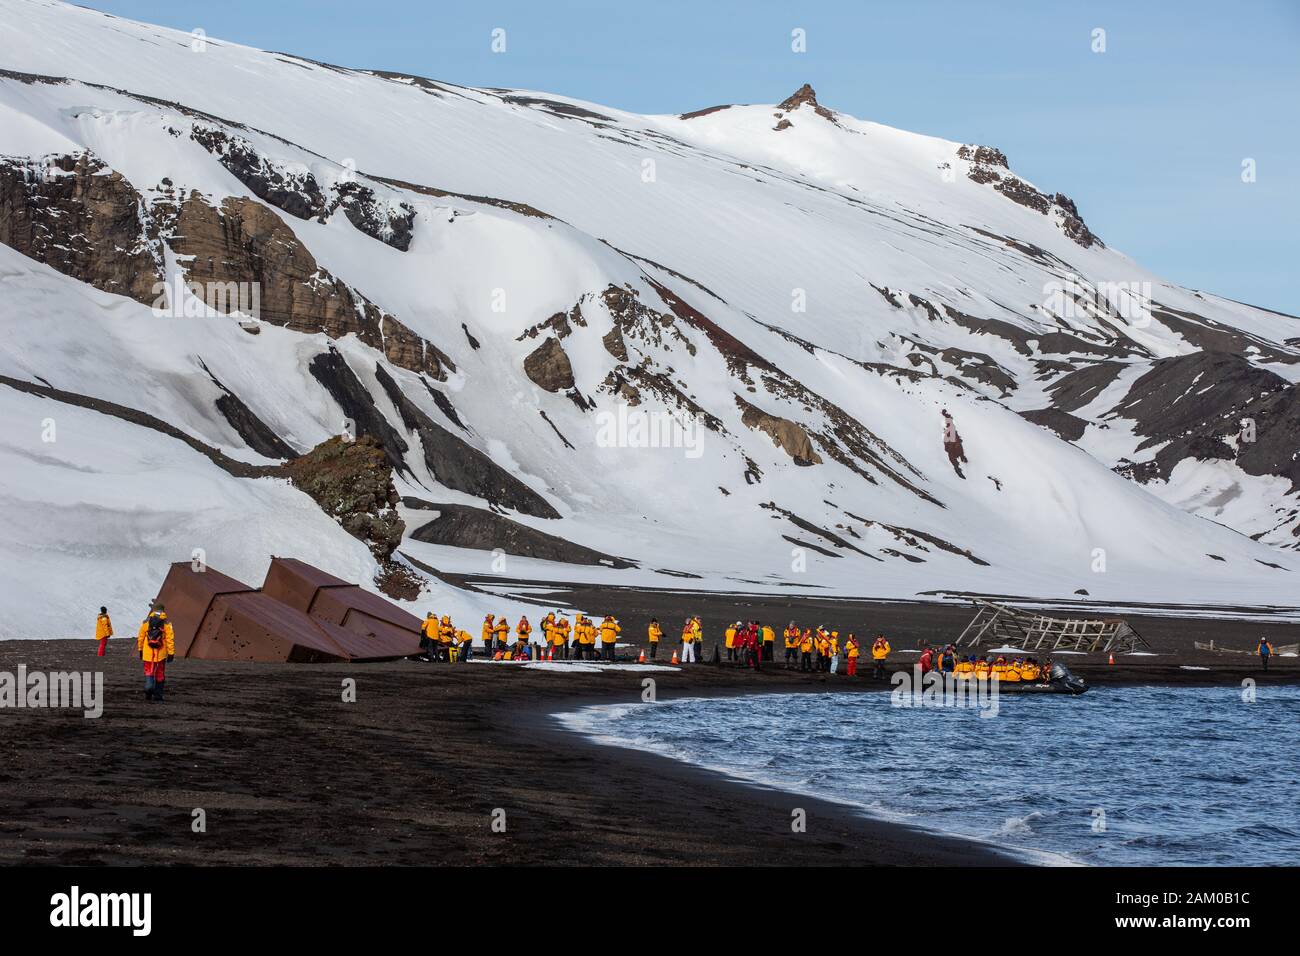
(846, 278)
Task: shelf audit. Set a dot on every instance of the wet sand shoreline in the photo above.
(417, 769)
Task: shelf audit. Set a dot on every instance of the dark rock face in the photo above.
(548, 366)
(375, 218)
(459, 465)
(1072, 223)
(244, 241)
(255, 432)
(1198, 402)
(983, 156)
(298, 194)
(332, 371)
(462, 526)
(352, 481)
(82, 219)
(1076, 389)
(1019, 191)
(1211, 336)
(1067, 426)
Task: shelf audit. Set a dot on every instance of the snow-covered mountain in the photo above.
(700, 350)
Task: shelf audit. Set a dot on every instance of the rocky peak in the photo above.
(804, 96)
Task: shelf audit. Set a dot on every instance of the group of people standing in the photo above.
(441, 640)
(819, 649)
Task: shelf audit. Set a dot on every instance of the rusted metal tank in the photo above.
(187, 595)
(379, 628)
(255, 627)
(301, 615)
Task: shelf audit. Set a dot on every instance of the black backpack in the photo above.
(156, 634)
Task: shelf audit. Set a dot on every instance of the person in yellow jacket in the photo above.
(1011, 673)
(609, 631)
(464, 648)
(489, 629)
(446, 637)
(103, 630)
(653, 634)
(156, 643)
(584, 640)
(852, 651)
(729, 640)
(965, 669)
(548, 628)
(791, 637)
(561, 634)
(1029, 672)
(806, 644)
(822, 647)
(429, 637)
(982, 669)
(523, 629)
(500, 635)
(692, 633)
(769, 643)
(879, 654)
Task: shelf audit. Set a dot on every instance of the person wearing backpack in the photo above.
(156, 643)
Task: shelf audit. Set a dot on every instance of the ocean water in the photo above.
(1155, 776)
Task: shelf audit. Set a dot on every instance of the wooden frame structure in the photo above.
(1031, 631)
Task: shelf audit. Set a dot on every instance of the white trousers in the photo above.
(688, 653)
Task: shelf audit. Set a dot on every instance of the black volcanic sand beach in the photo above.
(412, 772)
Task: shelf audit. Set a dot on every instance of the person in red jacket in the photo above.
(927, 660)
(853, 650)
(754, 645)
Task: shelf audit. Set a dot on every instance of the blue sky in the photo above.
(1147, 137)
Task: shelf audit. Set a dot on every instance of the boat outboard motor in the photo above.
(1062, 678)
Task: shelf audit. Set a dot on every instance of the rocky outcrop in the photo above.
(459, 465)
(333, 372)
(561, 323)
(391, 223)
(983, 156)
(83, 219)
(463, 526)
(789, 436)
(989, 165)
(296, 193)
(1072, 223)
(352, 481)
(548, 366)
(244, 241)
(1019, 191)
(805, 96)
(299, 194)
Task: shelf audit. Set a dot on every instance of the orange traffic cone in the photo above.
(674, 660)
(550, 653)
(1112, 658)
(641, 659)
